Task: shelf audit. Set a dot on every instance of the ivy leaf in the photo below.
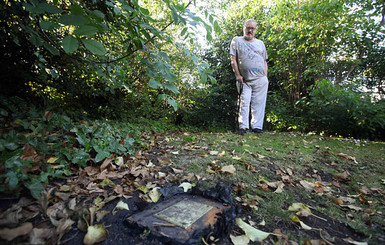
(35, 188)
(94, 46)
(102, 154)
(70, 44)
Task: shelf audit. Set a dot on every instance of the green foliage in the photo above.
(342, 110)
(87, 53)
(38, 145)
(280, 115)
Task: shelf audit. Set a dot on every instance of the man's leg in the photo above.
(258, 102)
(244, 107)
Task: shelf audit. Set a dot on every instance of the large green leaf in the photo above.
(35, 187)
(48, 25)
(154, 84)
(86, 30)
(48, 8)
(217, 28)
(70, 44)
(51, 49)
(172, 88)
(173, 103)
(75, 20)
(94, 46)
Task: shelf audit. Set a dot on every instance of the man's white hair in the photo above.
(249, 20)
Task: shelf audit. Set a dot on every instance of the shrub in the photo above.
(280, 114)
(341, 110)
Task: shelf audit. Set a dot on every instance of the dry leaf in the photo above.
(52, 160)
(252, 233)
(122, 206)
(346, 156)
(302, 210)
(186, 186)
(96, 233)
(309, 186)
(39, 235)
(230, 169)
(351, 241)
(101, 214)
(303, 225)
(345, 176)
(154, 194)
(10, 234)
(352, 207)
(338, 201)
(239, 240)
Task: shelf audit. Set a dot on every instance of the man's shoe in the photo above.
(241, 131)
(257, 130)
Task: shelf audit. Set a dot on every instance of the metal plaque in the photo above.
(184, 213)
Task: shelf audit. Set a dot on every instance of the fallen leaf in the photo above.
(214, 153)
(239, 240)
(348, 199)
(345, 176)
(154, 194)
(10, 234)
(309, 186)
(63, 226)
(230, 169)
(351, 241)
(39, 235)
(280, 187)
(105, 164)
(107, 182)
(101, 214)
(52, 160)
(122, 206)
(119, 161)
(352, 207)
(252, 233)
(303, 225)
(96, 233)
(338, 201)
(346, 156)
(302, 210)
(186, 186)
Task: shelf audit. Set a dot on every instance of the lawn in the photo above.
(303, 188)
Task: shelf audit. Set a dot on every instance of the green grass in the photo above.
(300, 157)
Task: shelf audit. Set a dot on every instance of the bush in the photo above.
(281, 115)
(341, 110)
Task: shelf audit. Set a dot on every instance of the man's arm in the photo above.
(234, 64)
(265, 67)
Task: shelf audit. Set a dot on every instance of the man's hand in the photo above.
(239, 78)
(234, 64)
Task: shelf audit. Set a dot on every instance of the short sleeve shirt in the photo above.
(251, 57)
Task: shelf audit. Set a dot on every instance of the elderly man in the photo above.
(248, 59)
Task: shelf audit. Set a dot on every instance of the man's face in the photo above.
(249, 30)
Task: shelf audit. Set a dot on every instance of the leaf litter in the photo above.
(69, 208)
